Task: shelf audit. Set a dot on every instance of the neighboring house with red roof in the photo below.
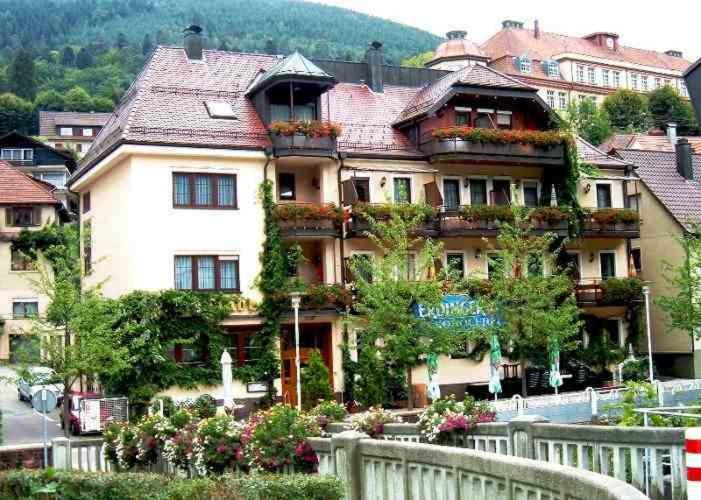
(25, 203)
(650, 141)
(669, 200)
(563, 67)
(170, 186)
(71, 130)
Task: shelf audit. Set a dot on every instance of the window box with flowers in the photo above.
(304, 138)
(612, 222)
(309, 219)
(520, 146)
(363, 213)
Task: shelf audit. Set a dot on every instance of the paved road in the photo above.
(20, 423)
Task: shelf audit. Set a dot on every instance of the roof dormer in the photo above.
(604, 39)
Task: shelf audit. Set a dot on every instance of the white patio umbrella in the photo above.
(227, 379)
(554, 355)
(494, 364)
(434, 389)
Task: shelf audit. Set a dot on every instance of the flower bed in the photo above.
(447, 421)
(372, 422)
(307, 128)
(285, 212)
(543, 139)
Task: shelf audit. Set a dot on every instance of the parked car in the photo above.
(89, 412)
(36, 378)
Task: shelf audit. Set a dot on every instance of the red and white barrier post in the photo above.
(693, 462)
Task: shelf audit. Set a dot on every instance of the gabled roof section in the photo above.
(433, 96)
(18, 188)
(595, 156)
(49, 120)
(647, 142)
(70, 161)
(658, 170)
(296, 67)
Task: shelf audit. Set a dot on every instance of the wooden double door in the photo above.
(312, 336)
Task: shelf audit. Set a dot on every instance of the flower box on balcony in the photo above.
(308, 219)
(363, 212)
(611, 221)
(304, 138)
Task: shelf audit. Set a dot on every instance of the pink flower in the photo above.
(222, 449)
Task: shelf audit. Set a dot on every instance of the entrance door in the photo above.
(312, 336)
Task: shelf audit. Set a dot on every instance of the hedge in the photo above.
(73, 485)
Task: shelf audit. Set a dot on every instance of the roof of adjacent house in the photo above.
(595, 156)
(457, 47)
(658, 170)
(646, 142)
(49, 120)
(16, 187)
(520, 41)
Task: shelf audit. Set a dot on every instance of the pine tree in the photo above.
(77, 99)
(122, 41)
(315, 382)
(270, 46)
(68, 56)
(84, 59)
(146, 45)
(49, 100)
(21, 75)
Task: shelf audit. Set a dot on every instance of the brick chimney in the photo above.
(536, 29)
(193, 42)
(375, 60)
(510, 23)
(685, 167)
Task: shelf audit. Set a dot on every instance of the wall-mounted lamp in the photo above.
(587, 187)
(383, 182)
(592, 257)
(478, 254)
(466, 182)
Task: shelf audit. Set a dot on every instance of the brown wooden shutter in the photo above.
(9, 217)
(433, 194)
(349, 193)
(36, 216)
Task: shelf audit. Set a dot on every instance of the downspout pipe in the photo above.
(339, 168)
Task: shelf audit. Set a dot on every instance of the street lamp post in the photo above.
(296, 297)
(646, 293)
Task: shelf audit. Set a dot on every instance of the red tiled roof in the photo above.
(597, 157)
(647, 142)
(516, 42)
(18, 188)
(457, 47)
(658, 170)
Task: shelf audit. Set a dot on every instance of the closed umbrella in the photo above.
(434, 390)
(494, 364)
(554, 355)
(553, 196)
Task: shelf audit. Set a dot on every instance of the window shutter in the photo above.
(9, 216)
(433, 194)
(350, 194)
(36, 216)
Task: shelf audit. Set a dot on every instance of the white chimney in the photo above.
(672, 133)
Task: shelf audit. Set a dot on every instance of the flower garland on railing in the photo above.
(308, 211)
(605, 216)
(544, 139)
(447, 421)
(504, 213)
(307, 128)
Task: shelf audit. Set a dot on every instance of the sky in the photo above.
(642, 24)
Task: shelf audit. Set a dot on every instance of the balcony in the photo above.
(22, 163)
(611, 223)
(309, 220)
(486, 220)
(608, 292)
(514, 147)
(321, 297)
(359, 224)
(312, 138)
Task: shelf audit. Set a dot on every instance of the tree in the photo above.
(21, 75)
(102, 104)
(589, 121)
(418, 60)
(122, 42)
(628, 110)
(533, 309)
(146, 45)
(682, 305)
(49, 100)
(68, 56)
(270, 47)
(388, 287)
(16, 114)
(77, 99)
(667, 106)
(84, 59)
(315, 382)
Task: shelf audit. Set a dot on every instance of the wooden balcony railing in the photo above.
(299, 220)
(301, 145)
(608, 291)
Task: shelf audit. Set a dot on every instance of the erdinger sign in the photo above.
(455, 311)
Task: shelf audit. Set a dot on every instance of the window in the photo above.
(66, 131)
(478, 191)
(451, 193)
(571, 264)
(550, 97)
(611, 328)
(603, 195)
(658, 82)
(634, 202)
(616, 79)
(17, 154)
(637, 259)
(562, 97)
(286, 186)
(22, 216)
(207, 273)
(362, 264)
(20, 261)
(634, 81)
(668, 83)
(591, 75)
(25, 309)
(402, 190)
(552, 69)
(608, 264)
(362, 188)
(411, 267)
(610, 43)
(580, 73)
(605, 77)
(530, 194)
(643, 83)
(684, 89)
(524, 64)
(220, 109)
(87, 132)
(501, 192)
(57, 179)
(504, 119)
(87, 246)
(242, 348)
(204, 191)
(462, 116)
(86, 202)
(484, 119)
(455, 263)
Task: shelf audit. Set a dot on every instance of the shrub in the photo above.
(328, 411)
(636, 370)
(446, 420)
(205, 406)
(179, 450)
(545, 139)
(317, 295)
(315, 382)
(290, 487)
(308, 128)
(621, 290)
(217, 447)
(372, 422)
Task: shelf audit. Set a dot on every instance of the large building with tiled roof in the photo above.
(25, 203)
(71, 130)
(170, 187)
(565, 67)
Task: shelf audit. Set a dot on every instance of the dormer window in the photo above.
(523, 63)
(220, 109)
(289, 102)
(551, 68)
(610, 43)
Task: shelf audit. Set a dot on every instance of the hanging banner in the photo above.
(456, 311)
